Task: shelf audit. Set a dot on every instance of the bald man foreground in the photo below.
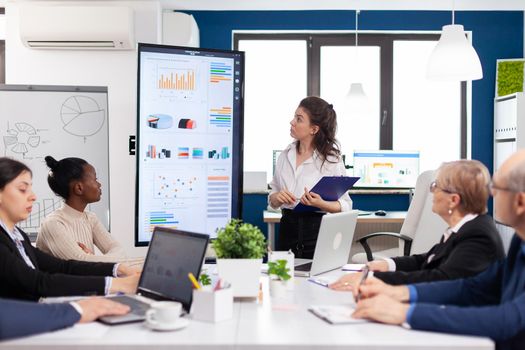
(491, 304)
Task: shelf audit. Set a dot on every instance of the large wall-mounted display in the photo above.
(189, 139)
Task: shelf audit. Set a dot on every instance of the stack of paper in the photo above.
(335, 314)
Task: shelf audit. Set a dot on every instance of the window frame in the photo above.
(2, 53)
(385, 41)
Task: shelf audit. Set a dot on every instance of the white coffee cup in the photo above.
(163, 313)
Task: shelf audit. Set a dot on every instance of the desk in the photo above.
(392, 217)
(273, 324)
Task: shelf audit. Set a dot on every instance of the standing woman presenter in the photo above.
(314, 153)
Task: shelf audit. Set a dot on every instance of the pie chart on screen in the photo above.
(82, 116)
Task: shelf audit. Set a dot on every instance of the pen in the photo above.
(217, 285)
(363, 278)
(193, 280)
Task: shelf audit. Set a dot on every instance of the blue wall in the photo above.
(496, 34)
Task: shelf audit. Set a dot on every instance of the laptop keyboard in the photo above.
(303, 267)
(137, 307)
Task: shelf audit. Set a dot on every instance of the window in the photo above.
(277, 83)
(433, 108)
(281, 69)
(341, 66)
(2, 45)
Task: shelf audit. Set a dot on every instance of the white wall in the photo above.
(114, 69)
(2, 27)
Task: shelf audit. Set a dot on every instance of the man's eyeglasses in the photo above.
(434, 186)
(493, 188)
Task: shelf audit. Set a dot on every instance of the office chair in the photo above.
(420, 231)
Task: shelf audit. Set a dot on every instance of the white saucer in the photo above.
(179, 324)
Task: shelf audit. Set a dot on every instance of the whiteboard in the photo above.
(61, 121)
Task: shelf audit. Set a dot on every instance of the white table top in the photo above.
(390, 217)
(275, 324)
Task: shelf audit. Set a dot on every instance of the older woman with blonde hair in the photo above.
(469, 245)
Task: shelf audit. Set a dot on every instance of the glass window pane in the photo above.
(427, 114)
(275, 83)
(358, 126)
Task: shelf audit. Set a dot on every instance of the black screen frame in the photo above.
(167, 231)
(237, 123)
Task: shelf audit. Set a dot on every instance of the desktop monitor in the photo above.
(386, 169)
(189, 139)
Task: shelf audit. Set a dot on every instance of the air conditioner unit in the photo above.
(179, 29)
(76, 27)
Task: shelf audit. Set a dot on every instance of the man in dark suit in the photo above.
(491, 304)
(20, 318)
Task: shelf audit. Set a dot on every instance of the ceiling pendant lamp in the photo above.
(454, 58)
(356, 93)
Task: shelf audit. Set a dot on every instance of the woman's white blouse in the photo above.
(287, 176)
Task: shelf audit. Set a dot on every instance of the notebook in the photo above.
(333, 245)
(172, 254)
(335, 314)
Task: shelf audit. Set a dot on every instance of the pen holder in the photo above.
(212, 306)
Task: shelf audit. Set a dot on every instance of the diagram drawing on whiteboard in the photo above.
(82, 116)
(21, 138)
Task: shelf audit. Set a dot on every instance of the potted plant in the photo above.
(205, 281)
(278, 273)
(240, 247)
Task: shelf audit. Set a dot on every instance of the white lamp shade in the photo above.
(356, 92)
(454, 58)
(357, 101)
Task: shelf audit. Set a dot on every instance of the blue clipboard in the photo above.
(330, 188)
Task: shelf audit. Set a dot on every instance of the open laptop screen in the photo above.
(171, 256)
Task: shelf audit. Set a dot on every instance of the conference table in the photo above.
(257, 324)
(392, 217)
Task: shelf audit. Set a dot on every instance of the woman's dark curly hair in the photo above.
(322, 114)
(62, 172)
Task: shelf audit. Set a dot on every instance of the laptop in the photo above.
(333, 245)
(172, 254)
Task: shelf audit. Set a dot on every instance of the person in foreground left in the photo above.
(22, 318)
(28, 273)
(491, 304)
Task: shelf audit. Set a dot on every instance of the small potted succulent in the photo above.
(240, 248)
(279, 274)
(205, 281)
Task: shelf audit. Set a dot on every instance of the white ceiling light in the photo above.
(356, 93)
(454, 58)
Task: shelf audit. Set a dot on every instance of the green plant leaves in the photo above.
(278, 268)
(510, 77)
(204, 279)
(239, 240)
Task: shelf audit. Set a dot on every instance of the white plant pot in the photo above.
(277, 289)
(243, 274)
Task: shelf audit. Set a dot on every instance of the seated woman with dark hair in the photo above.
(71, 232)
(469, 245)
(28, 273)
